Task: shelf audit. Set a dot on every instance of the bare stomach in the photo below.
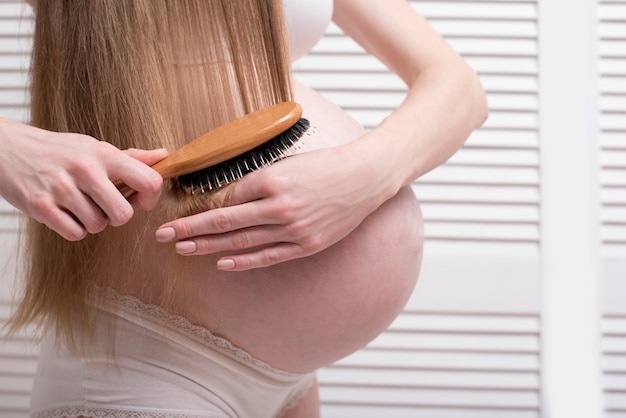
(304, 314)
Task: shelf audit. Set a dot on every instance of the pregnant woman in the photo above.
(133, 327)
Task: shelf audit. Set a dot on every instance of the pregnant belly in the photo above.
(309, 312)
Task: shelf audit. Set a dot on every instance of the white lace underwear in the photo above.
(163, 367)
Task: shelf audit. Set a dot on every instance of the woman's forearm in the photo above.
(445, 101)
(443, 106)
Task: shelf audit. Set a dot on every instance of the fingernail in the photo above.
(186, 247)
(165, 234)
(226, 264)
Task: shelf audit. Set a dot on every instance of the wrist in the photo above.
(379, 165)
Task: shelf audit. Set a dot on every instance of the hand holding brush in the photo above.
(227, 153)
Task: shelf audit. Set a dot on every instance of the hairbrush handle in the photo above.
(226, 141)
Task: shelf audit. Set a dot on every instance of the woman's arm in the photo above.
(445, 102)
(306, 203)
(66, 180)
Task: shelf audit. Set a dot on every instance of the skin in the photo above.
(289, 211)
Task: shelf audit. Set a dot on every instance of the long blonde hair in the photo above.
(143, 74)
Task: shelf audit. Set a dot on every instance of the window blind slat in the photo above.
(477, 9)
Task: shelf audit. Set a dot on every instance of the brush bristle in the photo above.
(213, 178)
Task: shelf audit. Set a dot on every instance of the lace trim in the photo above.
(295, 399)
(86, 412)
(134, 306)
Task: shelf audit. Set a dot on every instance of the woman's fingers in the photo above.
(240, 240)
(66, 225)
(131, 167)
(90, 195)
(84, 198)
(137, 174)
(60, 221)
(213, 222)
(264, 257)
(84, 211)
(62, 206)
(269, 249)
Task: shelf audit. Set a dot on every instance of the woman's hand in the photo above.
(294, 208)
(66, 181)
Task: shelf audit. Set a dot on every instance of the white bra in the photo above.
(306, 22)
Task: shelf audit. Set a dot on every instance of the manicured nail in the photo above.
(186, 247)
(165, 234)
(226, 264)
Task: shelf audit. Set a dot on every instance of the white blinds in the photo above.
(613, 126)
(468, 343)
(612, 142)
(452, 353)
(614, 364)
(17, 356)
(485, 199)
(437, 365)
(15, 40)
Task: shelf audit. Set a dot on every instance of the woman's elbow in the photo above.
(478, 99)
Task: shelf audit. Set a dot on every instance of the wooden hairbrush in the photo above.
(227, 153)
